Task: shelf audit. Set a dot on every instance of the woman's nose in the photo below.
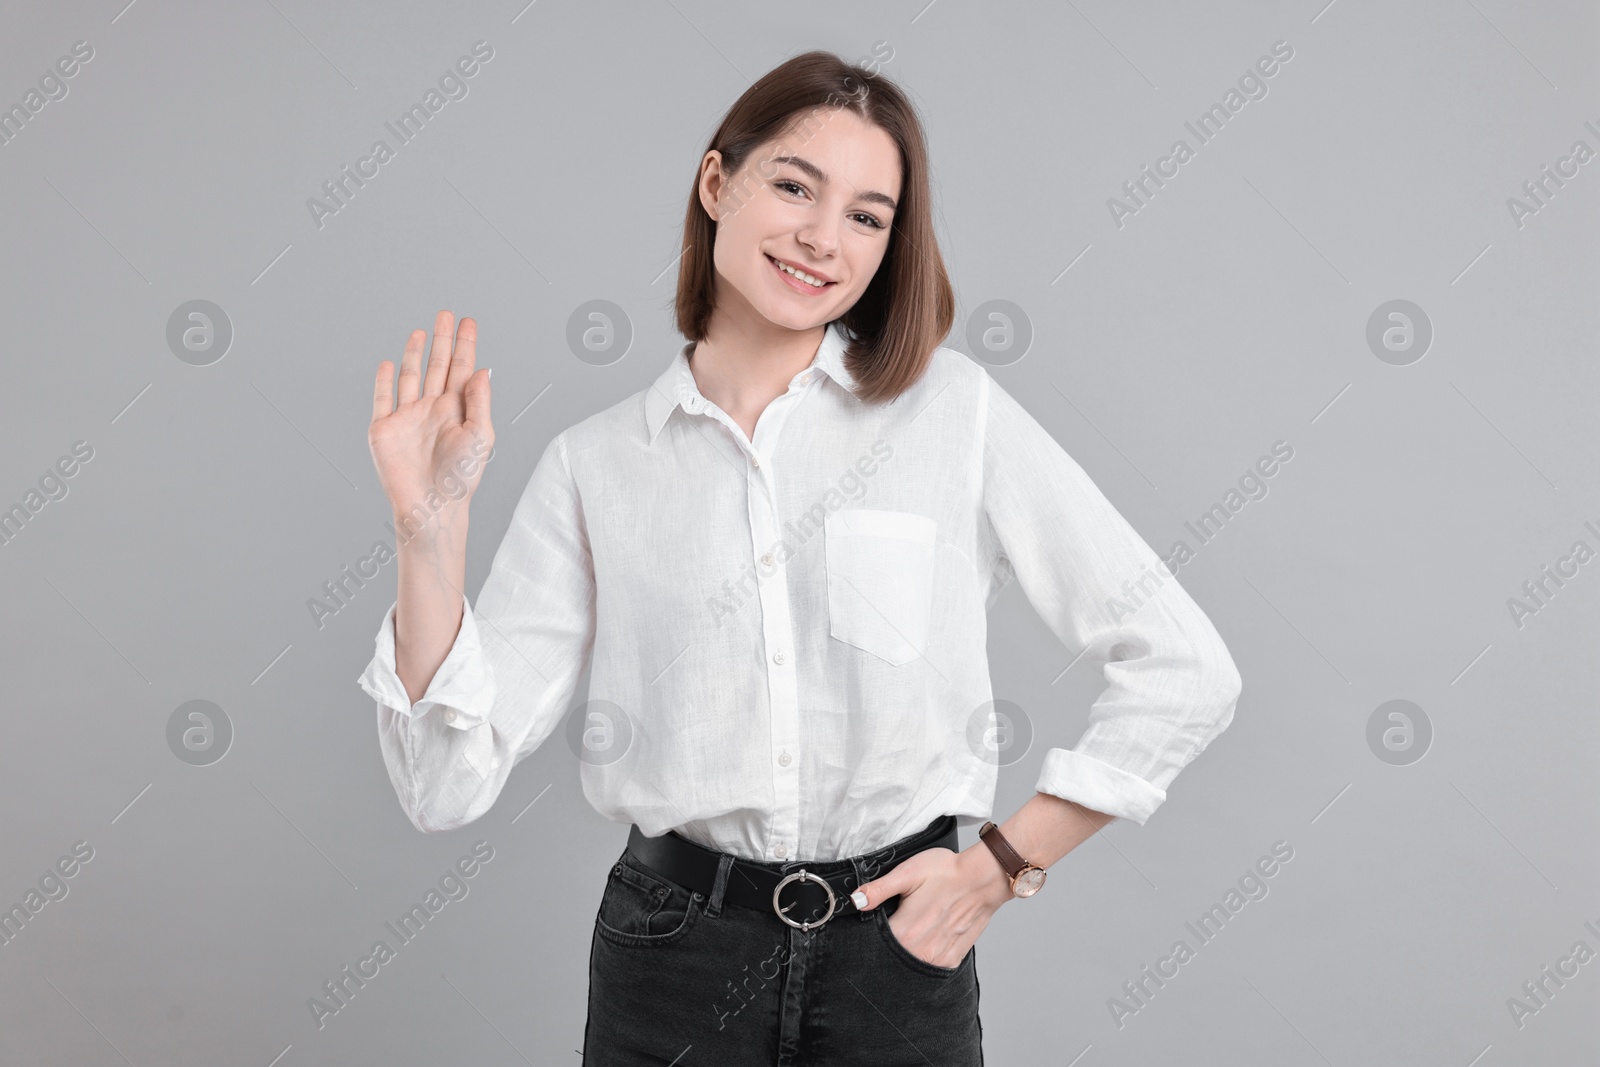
(819, 240)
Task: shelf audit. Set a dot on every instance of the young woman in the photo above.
(778, 560)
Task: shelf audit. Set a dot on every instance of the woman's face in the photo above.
(821, 200)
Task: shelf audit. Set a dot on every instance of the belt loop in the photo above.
(720, 886)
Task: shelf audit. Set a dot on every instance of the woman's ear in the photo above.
(711, 179)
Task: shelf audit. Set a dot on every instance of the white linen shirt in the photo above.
(788, 635)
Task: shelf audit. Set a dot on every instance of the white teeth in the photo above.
(802, 275)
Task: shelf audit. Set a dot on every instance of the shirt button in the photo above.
(767, 559)
(755, 461)
(784, 759)
(450, 715)
(780, 852)
(779, 658)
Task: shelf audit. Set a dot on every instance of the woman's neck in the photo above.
(742, 369)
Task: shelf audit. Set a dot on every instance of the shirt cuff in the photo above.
(463, 684)
(1096, 784)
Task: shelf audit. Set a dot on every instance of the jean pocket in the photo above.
(880, 916)
(639, 907)
(880, 580)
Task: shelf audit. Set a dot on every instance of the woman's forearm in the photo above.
(432, 562)
(1047, 827)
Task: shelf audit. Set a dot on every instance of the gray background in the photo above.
(1228, 314)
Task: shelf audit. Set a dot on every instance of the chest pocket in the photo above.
(880, 580)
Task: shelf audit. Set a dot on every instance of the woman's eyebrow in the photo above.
(814, 172)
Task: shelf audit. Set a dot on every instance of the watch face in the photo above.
(1029, 882)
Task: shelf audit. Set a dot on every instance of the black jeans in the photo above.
(686, 979)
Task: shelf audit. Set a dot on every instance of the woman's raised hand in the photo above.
(431, 447)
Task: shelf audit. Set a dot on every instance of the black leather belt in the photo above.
(808, 898)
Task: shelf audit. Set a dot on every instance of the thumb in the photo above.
(869, 895)
(475, 398)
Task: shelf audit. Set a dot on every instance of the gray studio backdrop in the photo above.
(1341, 352)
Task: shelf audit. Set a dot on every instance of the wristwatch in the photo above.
(1026, 878)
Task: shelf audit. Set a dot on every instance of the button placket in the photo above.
(777, 631)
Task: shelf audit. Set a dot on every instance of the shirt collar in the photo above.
(676, 387)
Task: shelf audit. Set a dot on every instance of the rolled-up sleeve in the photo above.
(1171, 684)
(511, 672)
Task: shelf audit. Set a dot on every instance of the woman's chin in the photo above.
(782, 313)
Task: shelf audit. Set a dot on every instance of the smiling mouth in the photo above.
(810, 281)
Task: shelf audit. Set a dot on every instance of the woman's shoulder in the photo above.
(620, 427)
(951, 374)
(956, 365)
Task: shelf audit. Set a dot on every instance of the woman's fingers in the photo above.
(465, 357)
(411, 366)
(383, 391)
(439, 355)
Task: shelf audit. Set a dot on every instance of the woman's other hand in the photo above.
(431, 447)
(946, 901)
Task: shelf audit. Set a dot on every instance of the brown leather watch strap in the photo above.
(991, 836)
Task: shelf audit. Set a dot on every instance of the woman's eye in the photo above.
(796, 189)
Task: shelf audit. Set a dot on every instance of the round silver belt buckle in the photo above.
(798, 876)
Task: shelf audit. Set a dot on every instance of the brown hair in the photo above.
(908, 307)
